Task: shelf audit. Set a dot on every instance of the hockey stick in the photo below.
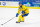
(8, 21)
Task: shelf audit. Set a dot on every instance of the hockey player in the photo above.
(24, 10)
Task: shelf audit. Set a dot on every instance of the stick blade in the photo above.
(1, 24)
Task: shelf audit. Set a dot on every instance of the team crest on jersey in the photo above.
(19, 8)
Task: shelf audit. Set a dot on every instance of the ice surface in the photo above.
(32, 20)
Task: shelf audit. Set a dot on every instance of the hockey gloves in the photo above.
(17, 15)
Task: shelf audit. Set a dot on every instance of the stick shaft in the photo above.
(8, 20)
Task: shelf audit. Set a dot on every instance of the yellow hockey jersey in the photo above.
(24, 8)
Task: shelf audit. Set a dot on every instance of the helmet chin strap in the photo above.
(20, 6)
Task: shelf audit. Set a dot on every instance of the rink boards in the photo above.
(17, 7)
(9, 4)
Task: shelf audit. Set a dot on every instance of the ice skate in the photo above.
(17, 22)
(21, 21)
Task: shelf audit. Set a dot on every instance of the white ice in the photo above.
(32, 20)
